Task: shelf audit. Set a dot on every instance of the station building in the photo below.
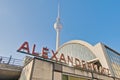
(74, 60)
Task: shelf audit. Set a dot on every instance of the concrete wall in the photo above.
(9, 72)
(46, 70)
(60, 70)
(102, 77)
(76, 72)
(57, 75)
(103, 57)
(42, 70)
(26, 72)
(99, 52)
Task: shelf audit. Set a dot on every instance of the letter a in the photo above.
(25, 47)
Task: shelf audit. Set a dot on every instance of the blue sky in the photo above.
(32, 20)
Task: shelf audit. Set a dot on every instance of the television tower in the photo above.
(58, 27)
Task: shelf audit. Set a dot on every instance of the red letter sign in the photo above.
(33, 52)
(54, 56)
(25, 47)
(45, 53)
(62, 58)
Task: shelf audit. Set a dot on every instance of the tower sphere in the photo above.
(58, 25)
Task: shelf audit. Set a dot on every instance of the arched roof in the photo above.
(78, 49)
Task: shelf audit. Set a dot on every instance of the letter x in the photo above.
(54, 55)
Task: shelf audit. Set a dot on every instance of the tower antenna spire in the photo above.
(58, 27)
(58, 8)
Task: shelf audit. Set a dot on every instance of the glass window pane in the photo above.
(64, 77)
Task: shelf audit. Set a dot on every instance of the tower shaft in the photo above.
(57, 39)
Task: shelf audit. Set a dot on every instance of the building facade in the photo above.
(74, 60)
